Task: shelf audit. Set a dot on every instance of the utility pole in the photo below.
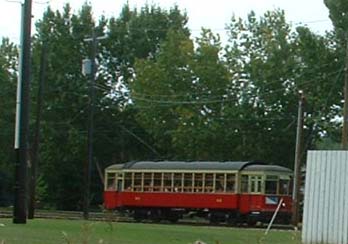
(20, 198)
(345, 106)
(88, 165)
(297, 167)
(35, 147)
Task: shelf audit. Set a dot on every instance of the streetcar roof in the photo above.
(268, 168)
(199, 165)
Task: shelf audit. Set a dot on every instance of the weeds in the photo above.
(108, 218)
(86, 233)
(296, 236)
(66, 238)
(85, 236)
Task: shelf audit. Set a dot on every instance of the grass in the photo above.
(43, 231)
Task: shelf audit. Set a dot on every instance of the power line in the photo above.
(312, 21)
(208, 93)
(140, 140)
(206, 101)
(174, 102)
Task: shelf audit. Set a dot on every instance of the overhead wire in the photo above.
(211, 101)
(143, 96)
(207, 93)
(309, 137)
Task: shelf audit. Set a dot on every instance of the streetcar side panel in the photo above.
(177, 200)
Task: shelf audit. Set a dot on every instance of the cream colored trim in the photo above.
(152, 180)
(120, 174)
(105, 181)
(225, 182)
(182, 182)
(214, 181)
(132, 186)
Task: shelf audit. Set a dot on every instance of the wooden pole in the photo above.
(20, 187)
(297, 166)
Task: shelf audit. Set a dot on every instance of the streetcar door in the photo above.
(119, 182)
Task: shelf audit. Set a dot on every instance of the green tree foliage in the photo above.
(240, 106)
(339, 38)
(174, 92)
(8, 82)
(63, 144)
(271, 64)
(134, 34)
(138, 34)
(117, 136)
(338, 13)
(161, 94)
(260, 59)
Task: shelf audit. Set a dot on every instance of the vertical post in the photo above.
(345, 106)
(297, 167)
(89, 163)
(90, 139)
(20, 200)
(35, 148)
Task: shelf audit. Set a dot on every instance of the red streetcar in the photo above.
(232, 192)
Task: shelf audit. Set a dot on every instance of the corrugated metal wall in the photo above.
(325, 216)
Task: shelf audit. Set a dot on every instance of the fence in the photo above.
(325, 216)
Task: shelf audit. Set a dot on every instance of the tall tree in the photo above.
(339, 16)
(8, 82)
(63, 149)
(338, 13)
(180, 95)
(271, 64)
(117, 135)
(136, 33)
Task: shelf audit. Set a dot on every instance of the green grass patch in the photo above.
(43, 231)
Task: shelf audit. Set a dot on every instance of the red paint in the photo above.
(174, 200)
(249, 203)
(111, 199)
(246, 203)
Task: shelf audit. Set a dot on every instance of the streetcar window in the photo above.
(284, 185)
(188, 182)
(209, 182)
(255, 184)
(219, 182)
(198, 184)
(157, 181)
(271, 184)
(148, 182)
(230, 182)
(177, 182)
(128, 182)
(167, 182)
(119, 184)
(137, 181)
(244, 184)
(111, 181)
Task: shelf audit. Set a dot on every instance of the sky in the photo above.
(202, 13)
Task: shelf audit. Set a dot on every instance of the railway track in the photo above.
(116, 217)
(70, 215)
